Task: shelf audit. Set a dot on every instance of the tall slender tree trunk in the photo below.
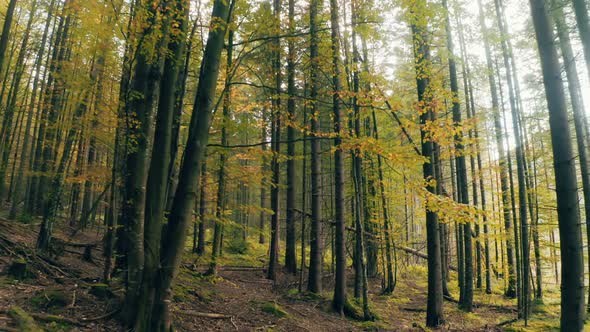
(434, 308)
(339, 301)
(19, 185)
(466, 299)
(222, 173)
(276, 147)
(290, 257)
(315, 260)
(504, 188)
(520, 162)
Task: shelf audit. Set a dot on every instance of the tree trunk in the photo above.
(339, 301)
(276, 147)
(434, 309)
(572, 266)
(190, 170)
(290, 257)
(314, 284)
(19, 185)
(581, 11)
(222, 173)
(520, 162)
(6, 32)
(139, 105)
(577, 102)
(511, 289)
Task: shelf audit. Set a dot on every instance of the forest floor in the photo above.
(63, 294)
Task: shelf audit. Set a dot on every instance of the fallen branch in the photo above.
(105, 316)
(414, 309)
(241, 268)
(510, 321)
(57, 319)
(203, 314)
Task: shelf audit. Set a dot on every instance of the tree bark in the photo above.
(314, 284)
(290, 257)
(190, 170)
(577, 102)
(572, 266)
(420, 36)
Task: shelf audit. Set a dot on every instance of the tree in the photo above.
(572, 268)
(423, 67)
(314, 283)
(339, 301)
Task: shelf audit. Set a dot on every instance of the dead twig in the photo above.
(105, 316)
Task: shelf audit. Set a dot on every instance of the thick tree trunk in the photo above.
(581, 11)
(139, 105)
(6, 32)
(577, 102)
(157, 178)
(572, 266)
(200, 249)
(188, 181)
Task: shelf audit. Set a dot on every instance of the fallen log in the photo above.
(420, 254)
(241, 268)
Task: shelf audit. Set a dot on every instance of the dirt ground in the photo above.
(239, 298)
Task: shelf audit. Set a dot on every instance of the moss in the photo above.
(353, 310)
(24, 321)
(58, 327)
(50, 299)
(373, 326)
(237, 246)
(19, 269)
(25, 218)
(101, 291)
(293, 292)
(274, 309)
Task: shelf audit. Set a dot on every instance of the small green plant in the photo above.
(50, 299)
(274, 309)
(237, 246)
(25, 218)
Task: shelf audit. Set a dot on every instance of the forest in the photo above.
(294, 165)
